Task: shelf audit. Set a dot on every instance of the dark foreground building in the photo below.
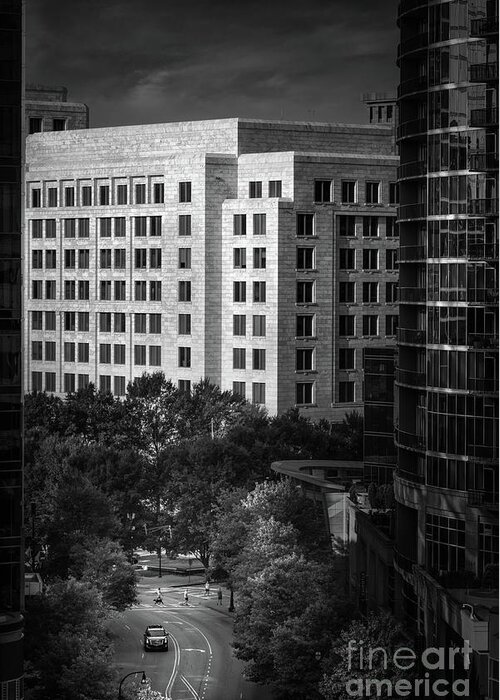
(11, 174)
(446, 484)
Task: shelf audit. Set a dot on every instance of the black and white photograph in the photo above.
(249, 350)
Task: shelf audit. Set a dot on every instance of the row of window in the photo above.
(306, 292)
(79, 352)
(110, 290)
(110, 322)
(83, 380)
(106, 226)
(81, 258)
(324, 191)
(370, 259)
(370, 292)
(105, 195)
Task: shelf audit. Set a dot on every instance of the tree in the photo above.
(106, 567)
(348, 665)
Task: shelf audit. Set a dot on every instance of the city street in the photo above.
(199, 663)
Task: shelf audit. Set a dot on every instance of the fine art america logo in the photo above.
(421, 671)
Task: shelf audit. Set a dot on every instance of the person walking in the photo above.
(158, 599)
(186, 597)
(207, 588)
(219, 596)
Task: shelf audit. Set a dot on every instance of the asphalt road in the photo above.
(199, 664)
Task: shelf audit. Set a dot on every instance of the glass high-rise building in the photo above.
(447, 376)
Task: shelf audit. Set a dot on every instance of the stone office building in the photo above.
(262, 255)
(48, 109)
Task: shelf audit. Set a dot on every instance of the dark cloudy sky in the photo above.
(143, 61)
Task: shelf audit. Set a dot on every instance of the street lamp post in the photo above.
(144, 681)
(231, 599)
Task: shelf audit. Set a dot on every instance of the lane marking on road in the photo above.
(127, 627)
(203, 651)
(177, 660)
(204, 682)
(190, 688)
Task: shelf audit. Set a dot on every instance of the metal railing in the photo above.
(484, 26)
(483, 117)
(412, 211)
(410, 335)
(416, 168)
(412, 295)
(412, 253)
(482, 207)
(483, 72)
(408, 376)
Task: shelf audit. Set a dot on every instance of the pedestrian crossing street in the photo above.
(196, 595)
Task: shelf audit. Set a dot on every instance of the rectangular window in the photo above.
(139, 354)
(370, 325)
(139, 323)
(121, 194)
(323, 190)
(105, 353)
(105, 259)
(105, 322)
(348, 191)
(58, 124)
(184, 290)
(50, 320)
(347, 292)
(347, 259)
(140, 291)
(37, 259)
(391, 324)
(305, 225)
(105, 290)
(86, 196)
(69, 320)
(239, 389)
(140, 226)
(119, 386)
(184, 324)
(52, 196)
(391, 259)
(305, 258)
(346, 325)
(259, 258)
(83, 352)
(104, 195)
(69, 259)
(155, 258)
(155, 355)
(370, 226)
(83, 381)
(69, 228)
(83, 228)
(119, 323)
(69, 383)
(259, 292)
(158, 193)
(155, 291)
(258, 392)
(370, 292)
(239, 291)
(391, 292)
(259, 224)
(120, 258)
(184, 357)
(275, 188)
(184, 386)
(50, 228)
(69, 196)
(239, 258)
(346, 358)
(258, 326)
(83, 321)
(391, 229)
(104, 227)
(346, 225)
(120, 227)
(155, 323)
(370, 259)
(69, 289)
(255, 190)
(50, 289)
(50, 381)
(36, 197)
(304, 359)
(304, 393)
(36, 350)
(83, 290)
(239, 324)
(155, 225)
(37, 228)
(239, 224)
(83, 259)
(372, 193)
(346, 392)
(393, 193)
(119, 354)
(36, 320)
(184, 224)
(239, 358)
(120, 290)
(140, 258)
(50, 351)
(258, 359)
(305, 292)
(305, 326)
(69, 352)
(105, 383)
(184, 258)
(184, 191)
